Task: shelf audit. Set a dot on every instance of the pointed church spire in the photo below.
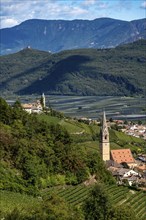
(104, 124)
(104, 117)
(104, 141)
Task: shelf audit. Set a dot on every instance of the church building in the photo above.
(116, 156)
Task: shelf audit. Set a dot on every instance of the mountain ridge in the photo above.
(59, 35)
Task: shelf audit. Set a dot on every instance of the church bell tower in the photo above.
(104, 141)
(43, 100)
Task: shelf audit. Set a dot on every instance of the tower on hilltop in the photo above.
(43, 100)
(104, 141)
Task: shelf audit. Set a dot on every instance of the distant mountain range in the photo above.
(116, 71)
(58, 35)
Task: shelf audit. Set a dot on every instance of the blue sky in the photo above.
(13, 12)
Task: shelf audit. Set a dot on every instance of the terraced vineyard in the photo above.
(135, 199)
(75, 195)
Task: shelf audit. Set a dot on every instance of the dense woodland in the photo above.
(42, 154)
(116, 71)
(37, 155)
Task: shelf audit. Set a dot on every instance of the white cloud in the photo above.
(89, 2)
(8, 22)
(95, 4)
(43, 9)
(143, 5)
(16, 11)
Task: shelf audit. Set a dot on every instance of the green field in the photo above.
(11, 200)
(75, 196)
(88, 135)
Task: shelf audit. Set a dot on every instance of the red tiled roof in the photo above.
(122, 155)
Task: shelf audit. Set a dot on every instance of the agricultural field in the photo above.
(50, 119)
(72, 126)
(76, 195)
(88, 135)
(126, 108)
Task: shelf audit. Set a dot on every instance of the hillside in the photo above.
(39, 153)
(117, 71)
(46, 158)
(49, 149)
(59, 35)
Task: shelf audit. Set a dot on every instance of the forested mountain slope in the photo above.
(118, 71)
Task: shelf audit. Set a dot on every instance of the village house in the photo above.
(32, 107)
(35, 107)
(27, 107)
(128, 176)
(123, 156)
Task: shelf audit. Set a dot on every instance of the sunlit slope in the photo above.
(88, 136)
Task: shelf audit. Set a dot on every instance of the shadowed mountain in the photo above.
(59, 73)
(117, 71)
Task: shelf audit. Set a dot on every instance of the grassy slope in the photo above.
(88, 135)
(12, 200)
(119, 71)
(76, 194)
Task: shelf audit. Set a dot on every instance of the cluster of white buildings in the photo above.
(35, 107)
(136, 131)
